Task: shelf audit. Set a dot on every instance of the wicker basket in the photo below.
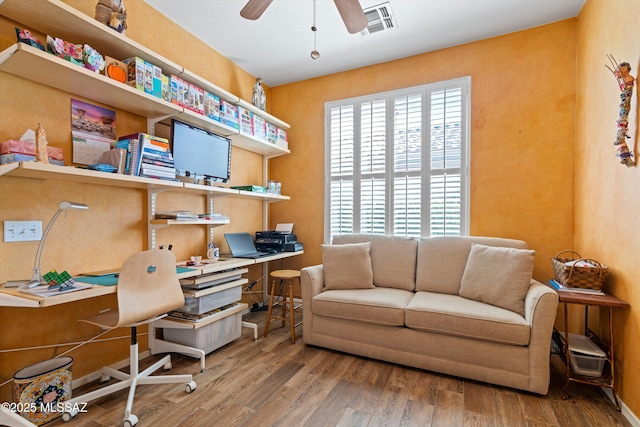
(572, 276)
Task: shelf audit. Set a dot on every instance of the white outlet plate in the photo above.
(22, 231)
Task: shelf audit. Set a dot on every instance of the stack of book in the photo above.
(560, 287)
(148, 156)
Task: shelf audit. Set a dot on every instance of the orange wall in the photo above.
(115, 225)
(607, 195)
(522, 124)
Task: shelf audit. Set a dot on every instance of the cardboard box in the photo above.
(272, 133)
(166, 89)
(246, 121)
(259, 128)
(157, 81)
(229, 114)
(175, 89)
(13, 146)
(212, 106)
(15, 157)
(135, 72)
(148, 77)
(199, 99)
(282, 140)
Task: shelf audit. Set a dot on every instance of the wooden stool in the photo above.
(283, 277)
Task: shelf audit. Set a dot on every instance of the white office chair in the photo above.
(148, 288)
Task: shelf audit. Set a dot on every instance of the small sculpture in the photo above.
(259, 97)
(41, 145)
(625, 81)
(113, 14)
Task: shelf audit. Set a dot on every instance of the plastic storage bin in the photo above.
(586, 357)
(211, 336)
(212, 301)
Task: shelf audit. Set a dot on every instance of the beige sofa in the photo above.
(463, 306)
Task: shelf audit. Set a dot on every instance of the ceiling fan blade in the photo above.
(352, 15)
(254, 9)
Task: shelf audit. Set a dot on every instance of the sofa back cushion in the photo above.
(393, 258)
(347, 266)
(498, 276)
(442, 259)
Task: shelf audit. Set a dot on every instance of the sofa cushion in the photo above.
(393, 258)
(442, 259)
(380, 306)
(498, 276)
(455, 315)
(347, 266)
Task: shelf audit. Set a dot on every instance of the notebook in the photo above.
(242, 246)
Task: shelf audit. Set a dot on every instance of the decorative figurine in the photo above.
(113, 14)
(259, 97)
(41, 145)
(625, 81)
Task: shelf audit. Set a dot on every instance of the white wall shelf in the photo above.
(44, 171)
(61, 20)
(34, 64)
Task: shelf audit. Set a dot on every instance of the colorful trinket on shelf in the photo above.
(65, 50)
(92, 59)
(25, 36)
(625, 81)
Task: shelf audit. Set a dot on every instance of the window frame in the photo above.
(425, 91)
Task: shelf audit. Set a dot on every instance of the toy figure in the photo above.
(259, 97)
(625, 81)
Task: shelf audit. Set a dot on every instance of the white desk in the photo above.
(12, 297)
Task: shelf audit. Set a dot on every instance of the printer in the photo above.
(281, 239)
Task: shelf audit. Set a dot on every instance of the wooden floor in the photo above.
(274, 383)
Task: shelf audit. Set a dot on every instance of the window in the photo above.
(397, 162)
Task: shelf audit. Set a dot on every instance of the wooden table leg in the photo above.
(567, 360)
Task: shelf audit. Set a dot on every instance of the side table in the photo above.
(608, 377)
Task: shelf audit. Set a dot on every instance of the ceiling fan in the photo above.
(350, 11)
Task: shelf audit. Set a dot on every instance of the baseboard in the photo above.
(97, 374)
(624, 409)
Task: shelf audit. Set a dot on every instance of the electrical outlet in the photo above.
(22, 231)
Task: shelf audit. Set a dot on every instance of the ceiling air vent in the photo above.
(380, 18)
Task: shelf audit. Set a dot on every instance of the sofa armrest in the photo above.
(312, 280)
(540, 306)
(535, 301)
(311, 284)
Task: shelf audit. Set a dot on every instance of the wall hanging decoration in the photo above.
(625, 81)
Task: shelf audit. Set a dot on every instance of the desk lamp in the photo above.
(36, 277)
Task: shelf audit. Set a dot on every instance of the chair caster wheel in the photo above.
(167, 366)
(104, 378)
(130, 421)
(190, 387)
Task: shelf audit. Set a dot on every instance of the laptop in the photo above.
(242, 246)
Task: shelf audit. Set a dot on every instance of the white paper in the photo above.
(285, 227)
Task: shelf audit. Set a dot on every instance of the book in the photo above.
(178, 215)
(560, 287)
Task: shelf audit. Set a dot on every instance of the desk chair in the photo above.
(148, 288)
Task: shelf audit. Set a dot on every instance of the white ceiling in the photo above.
(277, 46)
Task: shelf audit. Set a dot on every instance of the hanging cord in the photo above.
(75, 344)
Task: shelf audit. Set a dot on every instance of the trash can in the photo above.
(40, 388)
